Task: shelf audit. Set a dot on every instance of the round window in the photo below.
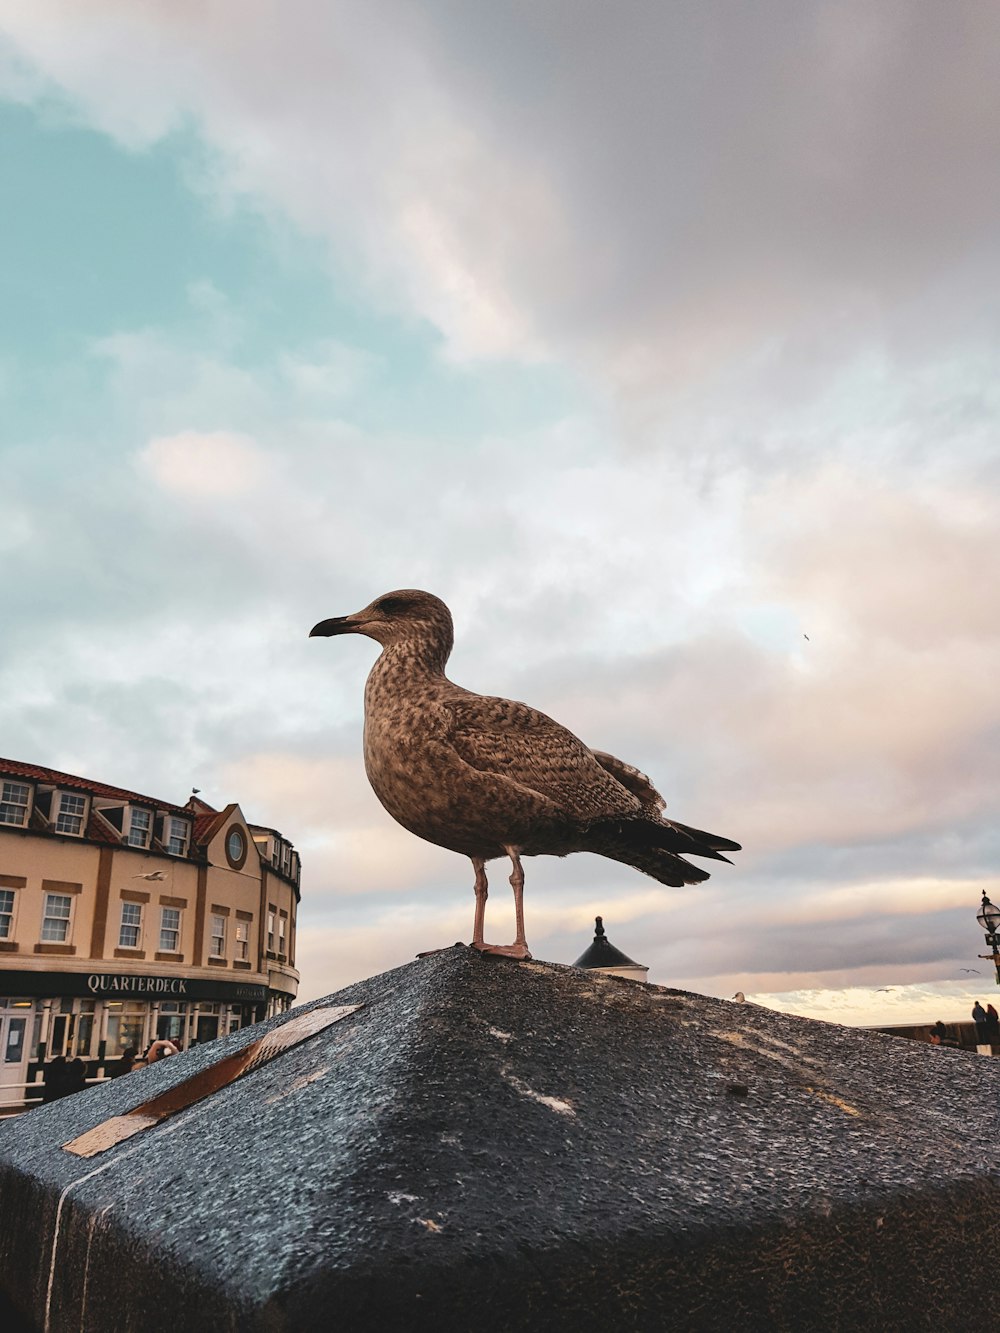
(236, 847)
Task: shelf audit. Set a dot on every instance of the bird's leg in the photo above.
(519, 949)
(482, 893)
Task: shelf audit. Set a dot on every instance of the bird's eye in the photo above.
(392, 606)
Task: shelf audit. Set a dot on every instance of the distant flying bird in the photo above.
(971, 969)
(806, 636)
(153, 874)
(490, 777)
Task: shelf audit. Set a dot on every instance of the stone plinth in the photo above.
(496, 1145)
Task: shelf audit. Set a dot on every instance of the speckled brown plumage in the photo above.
(489, 777)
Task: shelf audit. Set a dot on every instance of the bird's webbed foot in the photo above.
(508, 950)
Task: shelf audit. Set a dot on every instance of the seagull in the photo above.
(971, 969)
(488, 777)
(152, 874)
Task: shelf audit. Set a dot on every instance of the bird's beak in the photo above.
(335, 625)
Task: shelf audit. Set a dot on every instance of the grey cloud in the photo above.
(713, 178)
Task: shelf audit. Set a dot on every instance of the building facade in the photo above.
(124, 918)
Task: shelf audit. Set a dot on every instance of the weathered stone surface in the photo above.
(499, 1145)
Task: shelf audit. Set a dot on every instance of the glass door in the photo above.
(13, 1052)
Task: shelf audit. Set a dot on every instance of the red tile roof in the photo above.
(205, 826)
(99, 830)
(36, 773)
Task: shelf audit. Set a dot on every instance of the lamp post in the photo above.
(989, 918)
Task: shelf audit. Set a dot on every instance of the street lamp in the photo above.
(989, 918)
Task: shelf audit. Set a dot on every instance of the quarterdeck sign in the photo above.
(130, 985)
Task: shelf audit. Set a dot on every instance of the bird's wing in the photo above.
(637, 783)
(519, 743)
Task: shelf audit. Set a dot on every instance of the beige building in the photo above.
(124, 918)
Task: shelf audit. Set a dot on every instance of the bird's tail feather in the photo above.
(654, 861)
(712, 840)
(658, 848)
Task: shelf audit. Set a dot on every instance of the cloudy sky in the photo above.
(661, 341)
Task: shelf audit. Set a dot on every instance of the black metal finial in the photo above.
(599, 923)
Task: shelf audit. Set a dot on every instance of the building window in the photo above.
(6, 913)
(14, 803)
(282, 923)
(236, 848)
(217, 947)
(130, 931)
(71, 811)
(242, 934)
(55, 919)
(270, 929)
(177, 838)
(140, 826)
(126, 1026)
(170, 930)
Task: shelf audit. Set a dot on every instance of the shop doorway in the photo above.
(13, 1055)
(208, 1028)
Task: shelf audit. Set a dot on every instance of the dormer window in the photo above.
(139, 828)
(72, 809)
(178, 832)
(14, 797)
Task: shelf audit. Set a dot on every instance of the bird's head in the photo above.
(405, 616)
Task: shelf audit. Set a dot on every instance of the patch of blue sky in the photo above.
(100, 241)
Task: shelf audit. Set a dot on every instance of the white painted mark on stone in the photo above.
(553, 1103)
(81, 1180)
(397, 1197)
(97, 1217)
(500, 1036)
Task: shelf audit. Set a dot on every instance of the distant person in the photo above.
(56, 1081)
(980, 1018)
(125, 1062)
(160, 1049)
(939, 1034)
(992, 1025)
(76, 1075)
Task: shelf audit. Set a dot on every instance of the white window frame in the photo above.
(52, 919)
(271, 916)
(133, 911)
(75, 818)
(9, 789)
(177, 831)
(282, 933)
(241, 938)
(170, 930)
(217, 934)
(144, 835)
(8, 905)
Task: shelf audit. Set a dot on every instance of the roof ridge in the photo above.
(42, 773)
